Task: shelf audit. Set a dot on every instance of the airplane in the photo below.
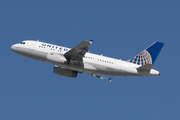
(69, 62)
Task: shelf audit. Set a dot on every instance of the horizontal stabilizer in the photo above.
(146, 67)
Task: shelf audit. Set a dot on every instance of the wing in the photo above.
(75, 55)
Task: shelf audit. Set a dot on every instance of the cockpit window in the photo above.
(22, 43)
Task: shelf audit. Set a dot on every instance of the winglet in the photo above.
(91, 41)
(110, 79)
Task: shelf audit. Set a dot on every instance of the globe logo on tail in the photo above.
(142, 58)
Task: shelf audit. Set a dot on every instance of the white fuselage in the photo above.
(93, 63)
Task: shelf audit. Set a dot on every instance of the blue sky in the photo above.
(120, 29)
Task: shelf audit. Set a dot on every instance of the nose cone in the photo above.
(13, 48)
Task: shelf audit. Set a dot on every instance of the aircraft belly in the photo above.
(105, 70)
(117, 73)
(89, 67)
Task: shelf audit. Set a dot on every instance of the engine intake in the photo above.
(64, 72)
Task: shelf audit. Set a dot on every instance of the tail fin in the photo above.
(149, 55)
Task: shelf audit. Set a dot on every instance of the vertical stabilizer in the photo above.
(149, 55)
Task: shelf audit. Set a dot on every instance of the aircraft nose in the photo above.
(13, 48)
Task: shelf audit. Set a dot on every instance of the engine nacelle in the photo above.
(64, 72)
(56, 58)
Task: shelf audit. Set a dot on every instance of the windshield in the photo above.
(22, 42)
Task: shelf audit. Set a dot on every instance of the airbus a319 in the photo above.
(69, 62)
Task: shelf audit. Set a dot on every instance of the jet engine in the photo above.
(56, 58)
(64, 72)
